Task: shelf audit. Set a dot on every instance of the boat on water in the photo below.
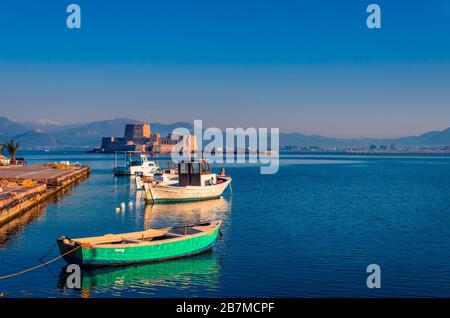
(151, 245)
(195, 182)
(134, 163)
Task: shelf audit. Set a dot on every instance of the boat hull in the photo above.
(121, 256)
(166, 193)
(131, 171)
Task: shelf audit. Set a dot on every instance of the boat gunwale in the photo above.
(167, 185)
(213, 226)
(207, 249)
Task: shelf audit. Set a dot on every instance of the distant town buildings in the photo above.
(138, 137)
(371, 149)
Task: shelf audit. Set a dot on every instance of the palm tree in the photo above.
(12, 149)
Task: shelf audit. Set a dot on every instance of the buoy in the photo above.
(117, 209)
(130, 204)
(122, 205)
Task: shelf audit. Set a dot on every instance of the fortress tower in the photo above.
(136, 132)
(138, 137)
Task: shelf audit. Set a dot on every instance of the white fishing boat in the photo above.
(135, 163)
(195, 182)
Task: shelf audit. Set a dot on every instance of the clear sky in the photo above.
(306, 66)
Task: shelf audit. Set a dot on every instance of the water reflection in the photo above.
(201, 271)
(161, 215)
(16, 226)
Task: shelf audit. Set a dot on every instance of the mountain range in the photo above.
(429, 139)
(47, 134)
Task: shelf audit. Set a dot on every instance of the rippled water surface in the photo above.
(309, 230)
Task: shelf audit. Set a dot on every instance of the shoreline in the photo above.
(17, 202)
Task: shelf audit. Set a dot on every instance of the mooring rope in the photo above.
(38, 266)
(222, 238)
(48, 253)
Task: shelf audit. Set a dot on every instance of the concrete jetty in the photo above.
(27, 186)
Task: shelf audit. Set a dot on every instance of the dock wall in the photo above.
(23, 199)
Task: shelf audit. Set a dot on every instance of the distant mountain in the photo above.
(45, 125)
(432, 139)
(51, 134)
(36, 139)
(165, 129)
(9, 129)
(91, 134)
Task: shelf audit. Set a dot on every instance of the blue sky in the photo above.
(306, 66)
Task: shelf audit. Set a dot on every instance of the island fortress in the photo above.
(138, 137)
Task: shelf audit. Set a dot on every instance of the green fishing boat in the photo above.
(140, 247)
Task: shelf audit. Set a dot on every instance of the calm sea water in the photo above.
(310, 230)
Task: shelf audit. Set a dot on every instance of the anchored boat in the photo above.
(195, 182)
(140, 247)
(135, 163)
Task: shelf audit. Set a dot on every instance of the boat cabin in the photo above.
(138, 160)
(196, 173)
(134, 162)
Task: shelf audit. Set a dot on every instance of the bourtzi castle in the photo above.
(138, 137)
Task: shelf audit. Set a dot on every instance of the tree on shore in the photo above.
(12, 148)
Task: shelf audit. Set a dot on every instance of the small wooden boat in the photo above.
(195, 182)
(140, 247)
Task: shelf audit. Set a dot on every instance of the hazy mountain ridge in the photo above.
(90, 134)
(36, 139)
(48, 134)
(431, 139)
(10, 128)
(46, 125)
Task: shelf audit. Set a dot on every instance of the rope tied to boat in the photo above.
(48, 253)
(41, 265)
